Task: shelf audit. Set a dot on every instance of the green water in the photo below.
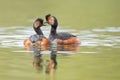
(96, 23)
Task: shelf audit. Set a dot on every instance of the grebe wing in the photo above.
(36, 37)
(64, 35)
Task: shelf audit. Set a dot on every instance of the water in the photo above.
(95, 22)
(97, 57)
(101, 37)
(107, 37)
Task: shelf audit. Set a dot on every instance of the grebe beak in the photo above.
(45, 23)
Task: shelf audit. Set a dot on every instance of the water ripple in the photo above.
(108, 36)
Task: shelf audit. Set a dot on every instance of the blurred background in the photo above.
(81, 14)
(95, 22)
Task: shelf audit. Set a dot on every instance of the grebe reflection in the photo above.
(40, 63)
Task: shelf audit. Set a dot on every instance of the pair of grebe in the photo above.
(62, 38)
(41, 42)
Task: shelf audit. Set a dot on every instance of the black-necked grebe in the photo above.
(62, 37)
(37, 38)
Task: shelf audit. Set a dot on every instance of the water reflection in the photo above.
(72, 47)
(47, 61)
(40, 63)
(37, 61)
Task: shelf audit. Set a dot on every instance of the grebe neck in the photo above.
(53, 31)
(54, 27)
(38, 30)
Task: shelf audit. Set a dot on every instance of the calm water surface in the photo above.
(97, 57)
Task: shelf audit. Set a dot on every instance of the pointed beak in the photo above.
(45, 23)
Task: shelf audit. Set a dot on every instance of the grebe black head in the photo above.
(38, 22)
(50, 19)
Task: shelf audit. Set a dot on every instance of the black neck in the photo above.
(54, 27)
(53, 31)
(38, 30)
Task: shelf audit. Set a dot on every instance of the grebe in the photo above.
(63, 37)
(38, 38)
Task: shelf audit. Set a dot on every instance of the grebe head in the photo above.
(38, 22)
(50, 19)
